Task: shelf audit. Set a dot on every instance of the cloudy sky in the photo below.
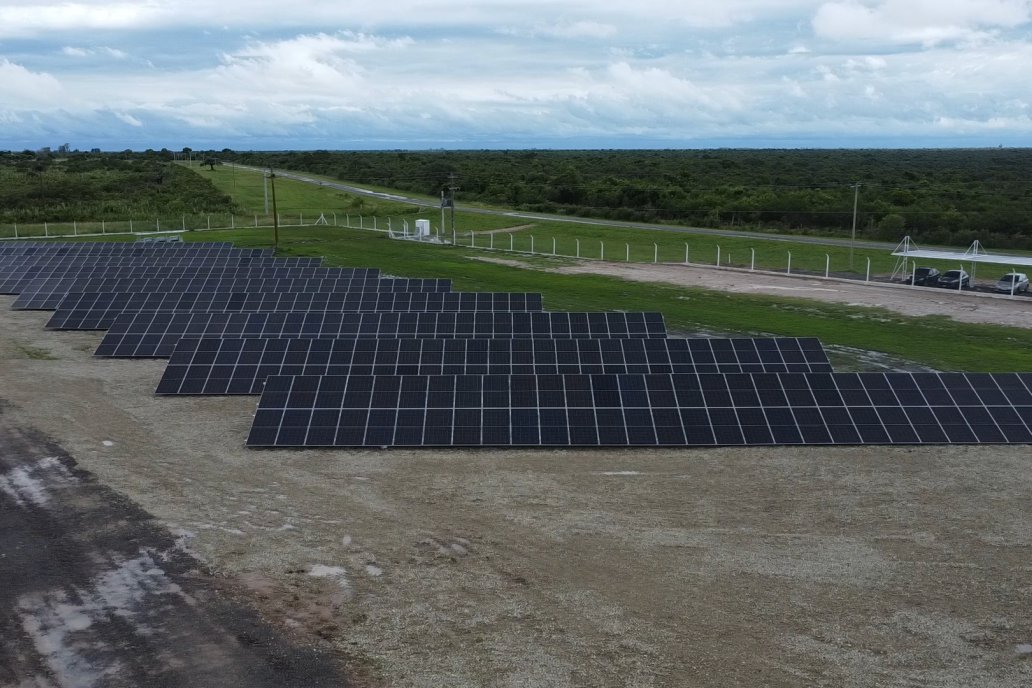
(343, 74)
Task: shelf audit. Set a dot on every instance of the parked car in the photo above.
(926, 276)
(954, 279)
(1013, 282)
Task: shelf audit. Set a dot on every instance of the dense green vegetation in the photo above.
(946, 197)
(37, 188)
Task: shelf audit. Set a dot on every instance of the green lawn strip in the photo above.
(934, 341)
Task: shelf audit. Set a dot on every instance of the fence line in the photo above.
(330, 219)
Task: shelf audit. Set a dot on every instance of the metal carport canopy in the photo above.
(958, 257)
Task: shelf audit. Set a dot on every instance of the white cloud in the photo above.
(561, 70)
(22, 89)
(925, 22)
(128, 119)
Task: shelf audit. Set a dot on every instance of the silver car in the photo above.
(1013, 282)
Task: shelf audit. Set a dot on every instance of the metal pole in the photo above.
(852, 236)
(531, 244)
(868, 269)
(75, 228)
(184, 223)
(578, 248)
(275, 215)
(789, 270)
(492, 241)
(130, 225)
(1012, 282)
(46, 230)
(752, 260)
(655, 252)
(686, 253)
(718, 255)
(510, 242)
(601, 250)
(827, 265)
(265, 186)
(209, 222)
(627, 251)
(553, 246)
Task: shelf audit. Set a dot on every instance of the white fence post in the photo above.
(531, 244)
(15, 230)
(752, 260)
(601, 250)
(232, 221)
(788, 271)
(718, 255)
(492, 241)
(184, 223)
(209, 222)
(75, 228)
(157, 224)
(511, 242)
(686, 253)
(130, 225)
(578, 248)
(627, 253)
(553, 246)
(472, 239)
(46, 229)
(827, 265)
(868, 269)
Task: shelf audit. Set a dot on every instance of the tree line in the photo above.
(43, 187)
(941, 196)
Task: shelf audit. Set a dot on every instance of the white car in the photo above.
(1013, 282)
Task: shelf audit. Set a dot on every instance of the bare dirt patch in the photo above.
(778, 567)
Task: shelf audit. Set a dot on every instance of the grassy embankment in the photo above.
(934, 341)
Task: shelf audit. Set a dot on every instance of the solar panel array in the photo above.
(640, 410)
(154, 334)
(343, 357)
(47, 295)
(230, 365)
(98, 310)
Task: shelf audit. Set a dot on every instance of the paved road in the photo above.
(546, 217)
(93, 593)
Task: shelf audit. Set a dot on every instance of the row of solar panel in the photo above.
(96, 311)
(154, 334)
(16, 284)
(48, 295)
(642, 410)
(240, 366)
(59, 247)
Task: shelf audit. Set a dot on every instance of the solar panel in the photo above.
(642, 410)
(97, 310)
(15, 284)
(230, 365)
(48, 294)
(153, 334)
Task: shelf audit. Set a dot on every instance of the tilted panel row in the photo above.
(96, 311)
(154, 334)
(240, 366)
(47, 295)
(644, 410)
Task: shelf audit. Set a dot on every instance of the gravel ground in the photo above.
(778, 567)
(973, 307)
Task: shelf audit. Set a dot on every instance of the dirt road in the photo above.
(1015, 311)
(728, 567)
